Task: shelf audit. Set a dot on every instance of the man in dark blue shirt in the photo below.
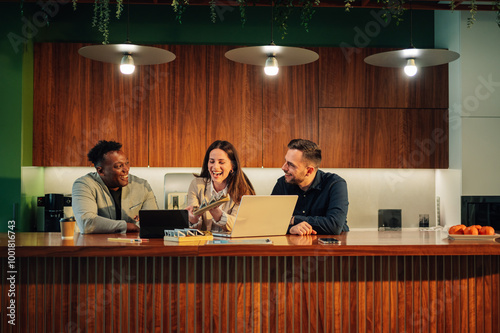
(322, 204)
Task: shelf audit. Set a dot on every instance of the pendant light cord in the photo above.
(128, 20)
(272, 21)
(411, 27)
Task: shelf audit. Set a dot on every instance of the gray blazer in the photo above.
(94, 207)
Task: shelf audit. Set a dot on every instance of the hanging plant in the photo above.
(119, 8)
(393, 9)
(473, 11)
(282, 11)
(179, 8)
(242, 4)
(496, 6)
(348, 5)
(213, 14)
(101, 18)
(307, 12)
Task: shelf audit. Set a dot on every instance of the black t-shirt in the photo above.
(117, 198)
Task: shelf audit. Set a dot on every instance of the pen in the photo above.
(127, 240)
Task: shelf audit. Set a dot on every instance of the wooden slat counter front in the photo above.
(393, 281)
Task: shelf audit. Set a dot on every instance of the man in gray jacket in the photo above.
(109, 200)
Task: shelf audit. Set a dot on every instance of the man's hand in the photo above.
(132, 227)
(303, 228)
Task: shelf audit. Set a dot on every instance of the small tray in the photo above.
(474, 237)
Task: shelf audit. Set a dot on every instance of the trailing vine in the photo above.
(213, 14)
(307, 13)
(242, 4)
(101, 18)
(179, 8)
(282, 11)
(473, 11)
(393, 9)
(496, 5)
(348, 5)
(119, 8)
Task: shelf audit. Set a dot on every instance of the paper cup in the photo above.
(67, 227)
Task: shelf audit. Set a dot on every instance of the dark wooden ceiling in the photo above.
(482, 5)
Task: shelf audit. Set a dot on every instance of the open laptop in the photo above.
(154, 222)
(262, 215)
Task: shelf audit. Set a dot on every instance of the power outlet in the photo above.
(176, 200)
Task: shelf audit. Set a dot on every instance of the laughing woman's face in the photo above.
(219, 166)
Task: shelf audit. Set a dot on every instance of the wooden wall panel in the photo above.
(361, 138)
(78, 101)
(177, 135)
(290, 110)
(345, 80)
(234, 108)
(426, 138)
(166, 115)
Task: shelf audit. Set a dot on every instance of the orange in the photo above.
(457, 230)
(477, 226)
(471, 231)
(486, 231)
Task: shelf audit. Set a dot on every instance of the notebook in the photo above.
(154, 222)
(262, 215)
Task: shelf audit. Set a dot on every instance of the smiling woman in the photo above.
(220, 175)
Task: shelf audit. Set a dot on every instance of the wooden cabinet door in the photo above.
(234, 108)
(178, 107)
(347, 81)
(78, 101)
(361, 138)
(384, 138)
(290, 110)
(426, 135)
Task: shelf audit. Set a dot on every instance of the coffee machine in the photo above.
(53, 204)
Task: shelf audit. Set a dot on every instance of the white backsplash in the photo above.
(411, 190)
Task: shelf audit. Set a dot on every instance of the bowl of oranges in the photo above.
(461, 231)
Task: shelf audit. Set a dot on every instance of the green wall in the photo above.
(151, 24)
(11, 114)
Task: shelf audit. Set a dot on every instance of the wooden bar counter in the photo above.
(391, 281)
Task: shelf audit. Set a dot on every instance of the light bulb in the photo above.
(271, 66)
(410, 68)
(127, 64)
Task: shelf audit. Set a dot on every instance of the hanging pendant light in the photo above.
(127, 55)
(412, 58)
(272, 55)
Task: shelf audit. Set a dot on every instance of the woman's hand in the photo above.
(192, 218)
(216, 213)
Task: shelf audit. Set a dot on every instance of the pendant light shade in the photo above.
(421, 57)
(284, 55)
(113, 53)
(412, 58)
(272, 55)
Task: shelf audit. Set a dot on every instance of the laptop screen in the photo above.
(262, 215)
(154, 222)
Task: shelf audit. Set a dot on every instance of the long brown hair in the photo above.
(237, 182)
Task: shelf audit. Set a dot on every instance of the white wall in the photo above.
(474, 109)
(480, 50)
(449, 181)
(369, 189)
